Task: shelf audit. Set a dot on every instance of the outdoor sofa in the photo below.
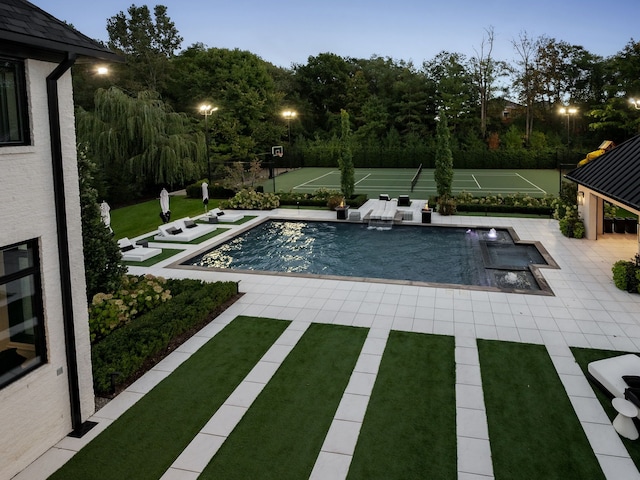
(183, 230)
(136, 253)
(224, 217)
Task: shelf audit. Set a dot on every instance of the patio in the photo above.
(586, 311)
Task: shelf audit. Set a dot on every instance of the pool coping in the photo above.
(545, 288)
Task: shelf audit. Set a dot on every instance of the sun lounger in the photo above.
(136, 253)
(225, 217)
(183, 230)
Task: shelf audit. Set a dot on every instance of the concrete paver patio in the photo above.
(587, 310)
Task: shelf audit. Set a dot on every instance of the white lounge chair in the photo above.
(183, 230)
(224, 217)
(136, 253)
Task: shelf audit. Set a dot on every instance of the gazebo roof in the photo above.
(28, 31)
(615, 174)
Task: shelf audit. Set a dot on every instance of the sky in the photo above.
(288, 32)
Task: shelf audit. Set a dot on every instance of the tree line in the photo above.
(141, 124)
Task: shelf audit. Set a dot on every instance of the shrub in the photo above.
(215, 191)
(626, 275)
(139, 294)
(446, 205)
(127, 349)
(251, 200)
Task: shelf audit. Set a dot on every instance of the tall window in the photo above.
(22, 345)
(13, 112)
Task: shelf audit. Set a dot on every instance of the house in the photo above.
(46, 389)
(613, 177)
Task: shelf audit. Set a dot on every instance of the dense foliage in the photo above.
(500, 114)
(126, 349)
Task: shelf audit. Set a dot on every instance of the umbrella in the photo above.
(205, 195)
(105, 216)
(165, 214)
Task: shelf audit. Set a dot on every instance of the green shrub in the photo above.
(446, 205)
(139, 294)
(128, 348)
(215, 191)
(251, 200)
(626, 275)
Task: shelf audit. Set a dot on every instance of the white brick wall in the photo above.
(35, 411)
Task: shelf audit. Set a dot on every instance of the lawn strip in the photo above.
(147, 438)
(166, 253)
(409, 430)
(533, 429)
(282, 433)
(584, 356)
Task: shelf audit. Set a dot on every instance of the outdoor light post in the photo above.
(568, 111)
(207, 110)
(289, 114)
(635, 102)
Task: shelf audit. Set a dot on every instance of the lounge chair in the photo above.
(136, 253)
(608, 375)
(224, 217)
(183, 230)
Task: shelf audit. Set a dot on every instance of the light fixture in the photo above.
(580, 198)
(289, 114)
(206, 110)
(635, 102)
(568, 111)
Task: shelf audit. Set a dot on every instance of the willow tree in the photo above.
(345, 158)
(138, 142)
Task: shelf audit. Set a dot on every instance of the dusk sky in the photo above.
(286, 32)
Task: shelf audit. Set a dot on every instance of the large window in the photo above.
(22, 345)
(13, 112)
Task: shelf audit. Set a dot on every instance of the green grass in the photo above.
(584, 357)
(533, 428)
(144, 217)
(409, 430)
(166, 253)
(280, 436)
(195, 241)
(144, 442)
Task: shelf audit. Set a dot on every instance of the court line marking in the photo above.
(363, 179)
(476, 180)
(531, 183)
(314, 179)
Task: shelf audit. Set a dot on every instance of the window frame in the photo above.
(21, 104)
(33, 274)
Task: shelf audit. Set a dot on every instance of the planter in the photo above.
(342, 212)
(426, 215)
(608, 225)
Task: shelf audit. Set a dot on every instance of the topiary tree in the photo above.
(103, 270)
(345, 158)
(443, 173)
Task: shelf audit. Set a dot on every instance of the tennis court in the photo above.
(535, 183)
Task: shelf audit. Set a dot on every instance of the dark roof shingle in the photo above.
(615, 174)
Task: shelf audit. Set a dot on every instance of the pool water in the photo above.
(431, 254)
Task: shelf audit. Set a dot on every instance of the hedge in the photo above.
(215, 191)
(127, 349)
(520, 209)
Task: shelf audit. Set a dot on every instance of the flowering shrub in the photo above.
(514, 199)
(251, 200)
(139, 294)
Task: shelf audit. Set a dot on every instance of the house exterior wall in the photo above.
(35, 409)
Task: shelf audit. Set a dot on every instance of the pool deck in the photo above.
(586, 310)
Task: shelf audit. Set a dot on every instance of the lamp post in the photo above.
(635, 102)
(207, 110)
(289, 114)
(568, 111)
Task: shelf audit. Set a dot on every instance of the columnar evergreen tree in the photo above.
(103, 270)
(345, 159)
(443, 173)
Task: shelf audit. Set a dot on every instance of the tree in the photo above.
(443, 173)
(147, 45)
(526, 79)
(103, 270)
(345, 159)
(139, 143)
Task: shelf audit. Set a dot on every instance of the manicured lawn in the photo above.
(166, 253)
(280, 436)
(409, 430)
(584, 357)
(533, 428)
(144, 217)
(195, 241)
(146, 439)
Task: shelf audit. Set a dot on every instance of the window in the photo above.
(13, 101)
(22, 345)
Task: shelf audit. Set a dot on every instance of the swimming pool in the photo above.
(418, 254)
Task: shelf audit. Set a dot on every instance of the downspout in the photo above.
(63, 241)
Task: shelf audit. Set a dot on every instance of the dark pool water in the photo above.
(431, 254)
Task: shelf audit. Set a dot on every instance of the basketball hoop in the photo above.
(277, 151)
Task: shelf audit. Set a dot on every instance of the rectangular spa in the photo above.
(418, 254)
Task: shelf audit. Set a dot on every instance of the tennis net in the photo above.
(415, 178)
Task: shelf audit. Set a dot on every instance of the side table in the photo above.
(623, 423)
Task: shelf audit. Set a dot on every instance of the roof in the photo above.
(615, 174)
(26, 29)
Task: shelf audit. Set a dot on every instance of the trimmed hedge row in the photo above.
(215, 191)
(521, 209)
(127, 349)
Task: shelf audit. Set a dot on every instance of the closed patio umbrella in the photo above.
(205, 195)
(105, 215)
(165, 213)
